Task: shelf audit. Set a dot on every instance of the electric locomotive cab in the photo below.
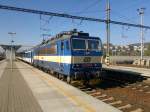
(86, 56)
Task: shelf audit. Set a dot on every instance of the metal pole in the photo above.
(108, 27)
(141, 13)
(107, 59)
(11, 58)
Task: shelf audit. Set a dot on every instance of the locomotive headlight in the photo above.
(77, 65)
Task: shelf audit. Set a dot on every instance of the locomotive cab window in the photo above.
(78, 44)
(93, 45)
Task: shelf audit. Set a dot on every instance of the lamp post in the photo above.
(141, 13)
(12, 41)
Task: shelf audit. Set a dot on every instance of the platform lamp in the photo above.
(12, 41)
(141, 13)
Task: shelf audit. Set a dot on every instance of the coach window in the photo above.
(67, 45)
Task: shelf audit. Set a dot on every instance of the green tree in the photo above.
(147, 52)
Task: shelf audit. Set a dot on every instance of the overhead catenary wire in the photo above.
(69, 16)
(88, 7)
(123, 31)
(121, 16)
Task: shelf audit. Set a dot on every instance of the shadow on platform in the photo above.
(119, 78)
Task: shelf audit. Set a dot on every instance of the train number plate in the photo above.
(87, 59)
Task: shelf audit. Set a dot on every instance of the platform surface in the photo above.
(15, 95)
(27, 89)
(142, 71)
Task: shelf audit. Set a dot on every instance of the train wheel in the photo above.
(68, 79)
(60, 76)
(86, 82)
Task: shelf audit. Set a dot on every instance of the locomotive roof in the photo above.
(61, 36)
(65, 35)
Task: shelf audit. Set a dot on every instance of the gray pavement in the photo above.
(15, 95)
(142, 71)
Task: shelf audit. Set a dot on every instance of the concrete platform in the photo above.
(15, 95)
(27, 89)
(142, 71)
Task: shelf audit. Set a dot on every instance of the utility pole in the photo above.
(108, 31)
(12, 41)
(108, 26)
(141, 13)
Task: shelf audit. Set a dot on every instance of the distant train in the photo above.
(70, 55)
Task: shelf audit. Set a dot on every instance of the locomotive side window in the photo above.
(67, 45)
(78, 44)
(52, 49)
(62, 45)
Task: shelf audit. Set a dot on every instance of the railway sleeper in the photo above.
(96, 93)
(125, 107)
(87, 89)
(148, 92)
(108, 99)
(137, 110)
(101, 96)
(90, 91)
(141, 90)
(145, 86)
(115, 102)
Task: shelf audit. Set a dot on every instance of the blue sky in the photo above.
(27, 26)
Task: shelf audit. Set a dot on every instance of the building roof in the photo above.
(8, 47)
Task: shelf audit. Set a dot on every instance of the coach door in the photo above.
(31, 57)
(62, 50)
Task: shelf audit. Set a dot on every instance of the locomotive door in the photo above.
(61, 56)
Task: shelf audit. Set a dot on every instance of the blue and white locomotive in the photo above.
(69, 54)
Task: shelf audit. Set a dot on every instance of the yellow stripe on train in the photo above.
(70, 59)
(57, 59)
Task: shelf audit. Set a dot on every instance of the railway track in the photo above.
(127, 97)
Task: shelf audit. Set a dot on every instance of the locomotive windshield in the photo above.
(93, 45)
(85, 44)
(78, 44)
